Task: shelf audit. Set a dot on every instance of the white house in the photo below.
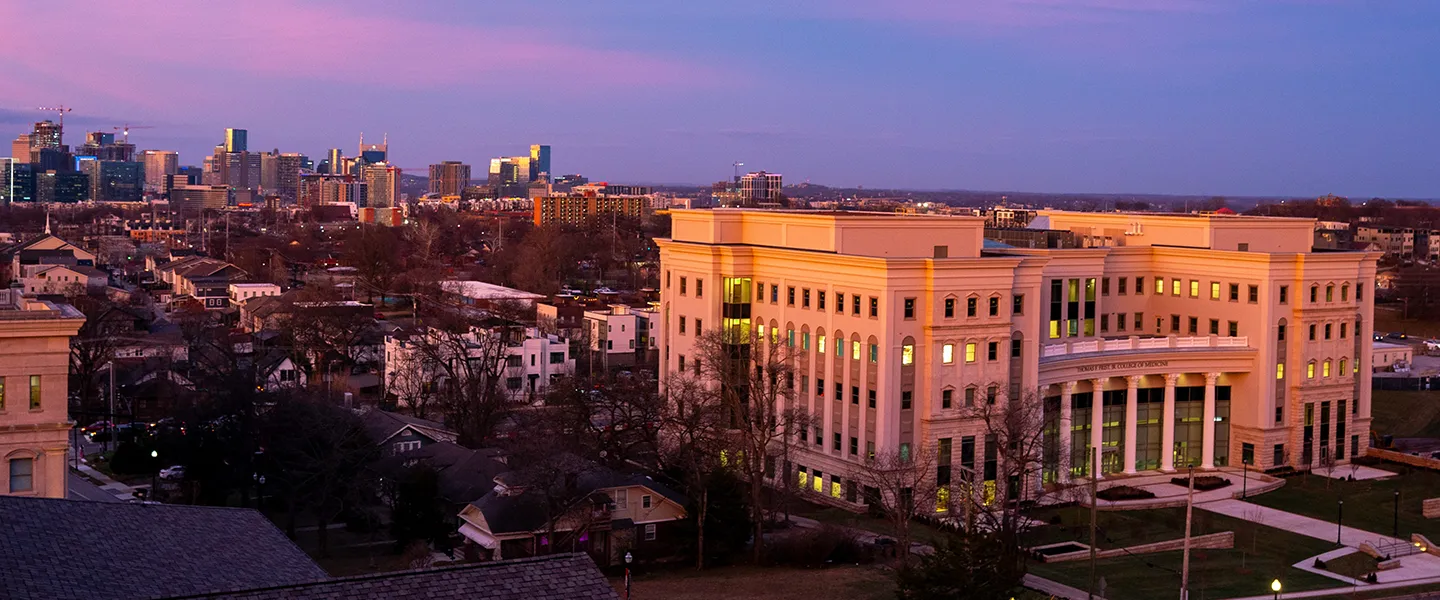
(532, 360)
(240, 292)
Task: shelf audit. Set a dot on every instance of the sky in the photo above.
(1210, 97)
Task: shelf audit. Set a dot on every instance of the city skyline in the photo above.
(1103, 96)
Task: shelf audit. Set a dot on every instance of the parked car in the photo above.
(173, 472)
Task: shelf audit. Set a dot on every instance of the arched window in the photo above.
(907, 351)
(1280, 331)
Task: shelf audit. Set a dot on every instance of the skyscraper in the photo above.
(117, 181)
(47, 134)
(540, 162)
(382, 183)
(760, 188)
(235, 140)
(20, 148)
(449, 178)
(287, 175)
(335, 158)
(158, 164)
(374, 153)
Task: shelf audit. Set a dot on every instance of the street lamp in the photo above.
(1275, 587)
(1395, 517)
(1339, 520)
(154, 477)
(629, 558)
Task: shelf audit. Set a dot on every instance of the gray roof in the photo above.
(552, 577)
(56, 549)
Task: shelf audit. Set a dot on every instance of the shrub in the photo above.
(815, 547)
(1124, 492)
(1203, 483)
(1367, 461)
(1282, 471)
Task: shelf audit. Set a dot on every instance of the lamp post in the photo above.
(1339, 520)
(155, 476)
(1395, 517)
(1244, 477)
(629, 558)
(1275, 587)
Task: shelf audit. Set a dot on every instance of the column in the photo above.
(1167, 425)
(1067, 390)
(1132, 412)
(1207, 451)
(1097, 423)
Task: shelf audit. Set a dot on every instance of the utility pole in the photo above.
(1185, 558)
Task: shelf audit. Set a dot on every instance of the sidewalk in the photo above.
(1302, 525)
(110, 486)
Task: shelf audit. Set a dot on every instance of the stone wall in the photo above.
(1402, 458)
(1224, 539)
(1430, 508)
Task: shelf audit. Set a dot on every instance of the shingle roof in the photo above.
(57, 549)
(383, 424)
(552, 577)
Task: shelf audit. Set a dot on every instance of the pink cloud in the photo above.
(127, 48)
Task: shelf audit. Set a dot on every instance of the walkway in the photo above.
(82, 489)
(1170, 495)
(1279, 519)
(119, 490)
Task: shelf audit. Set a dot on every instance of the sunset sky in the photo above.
(1230, 97)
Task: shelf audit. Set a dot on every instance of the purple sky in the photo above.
(1231, 97)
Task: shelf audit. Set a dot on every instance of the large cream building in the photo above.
(1206, 340)
(34, 411)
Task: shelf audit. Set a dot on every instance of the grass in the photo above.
(1261, 555)
(1354, 565)
(761, 583)
(1369, 505)
(1406, 414)
(1389, 321)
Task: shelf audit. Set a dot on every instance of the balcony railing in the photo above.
(1143, 343)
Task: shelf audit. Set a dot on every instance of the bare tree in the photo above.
(694, 434)
(902, 482)
(754, 378)
(467, 357)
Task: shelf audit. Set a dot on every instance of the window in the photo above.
(1122, 281)
(1330, 293)
(682, 327)
(699, 287)
(2, 394)
(909, 308)
(1174, 323)
(1310, 370)
(790, 296)
(1279, 454)
(1014, 348)
(820, 300)
(1280, 370)
(855, 350)
(1120, 322)
(1159, 286)
(1214, 290)
(970, 396)
(1194, 325)
(990, 393)
(1234, 329)
(992, 351)
(1312, 332)
(1234, 292)
(645, 501)
(1342, 367)
(870, 398)
(1314, 293)
(1247, 453)
(1105, 286)
(947, 353)
(855, 304)
(759, 291)
(1345, 293)
(34, 392)
(1017, 303)
(407, 446)
(805, 298)
(1284, 294)
(699, 329)
(1139, 321)
(1325, 368)
(1175, 286)
(774, 293)
(970, 352)
(854, 445)
(835, 441)
(621, 498)
(854, 393)
(22, 475)
(874, 353)
(1254, 294)
(820, 344)
(874, 306)
(667, 279)
(1280, 333)
(1194, 288)
(947, 396)
(971, 306)
(1139, 286)
(683, 279)
(949, 308)
(820, 387)
(1344, 329)
(1214, 326)
(682, 363)
(649, 532)
(994, 306)
(907, 354)
(1328, 328)
(1105, 323)
(557, 358)
(906, 397)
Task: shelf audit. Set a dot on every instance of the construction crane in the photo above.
(127, 127)
(61, 110)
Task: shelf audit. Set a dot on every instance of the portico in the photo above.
(1160, 409)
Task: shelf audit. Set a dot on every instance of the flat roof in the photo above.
(481, 290)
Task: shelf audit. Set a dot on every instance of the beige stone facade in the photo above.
(1255, 345)
(34, 371)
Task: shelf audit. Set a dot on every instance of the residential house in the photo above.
(64, 280)
(532, 360)
(277, 371)
(242, 292)
(205, 279)
(396, 433)
(599, 511)
(44, 251)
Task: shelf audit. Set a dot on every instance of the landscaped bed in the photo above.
(1124, 492)
(1203, 483)
(1355, 565)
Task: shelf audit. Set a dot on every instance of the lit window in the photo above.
(1279, 370)
(1310, 370)
(907, 354)
(874, 353)
(947, 353)
(1175, 287)
(1194, 288)
(34, 392)
(1159, 285)
(970, 352)
(820, 343)
(1325, 368)
(1342, 366)
(855, 350)
(1214, 290)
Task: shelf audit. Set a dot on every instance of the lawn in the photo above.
(1369, 505)
(761, 583)
(1389, 321)
(1262, 554)
(1406, 414)
(1354, 565)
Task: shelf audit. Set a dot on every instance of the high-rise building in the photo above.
(236, 140)
(586, 202)
(287, 175)
(760, 188)
(540, 162)
(1170, 341)
(47, 134)
(335, 159)
(449, 178)
(269, 171)
(102, 146)
(382, 183)
(158, 164)
(370, 154)
(116, 181)
(239, 170)
(66, 187)
(17, 182)
(189, 200)
(34, 427)
(20, 148)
